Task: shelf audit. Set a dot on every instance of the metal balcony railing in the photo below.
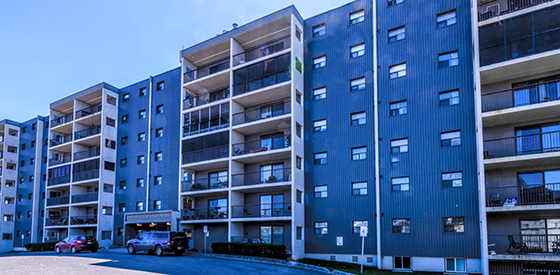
(262, 145)
(90, 153)
(212, 213)
(206, 154)
(59, 180)
(83, 220)
(94, 130)
(262, 112)
(61, 120)
(262, 177)
(88, 111)
(494, 8)
(60, 159)
(264, 210)
(58, 200)
(214, 96)
(61, 221)
(285, 239)
(522, 145)
(59, 140)
(85, 175)
(206, 70)
(538, 244)
(204, 184)
(262, 51)
(521, 96)
(88, 197)
(523, 195)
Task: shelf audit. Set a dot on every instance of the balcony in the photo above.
(526, 149)
(261, 75)
(262, 179)
(493, 8)
(213, 213)
(88, 197)
(206, 154)
(285, 239)
(90, 153)
(261, 51)
(531, 247)
(94, 130)
(538, 194)
(202, 100)
(59, 140)
(62, 221)
(83, 220)
(61, 120)
(60, 159)
(206, 70)
(258, 150)
(58, 200)
(85, 175)
(88, 111)
(1, 155)
(265, 210)
(213, 183)
(59, 180)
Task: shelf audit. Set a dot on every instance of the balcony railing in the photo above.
(262, 177)
(58, 140)
(285, 239)
(262, 74)
(204, 184)
(90, 153)
(1, 154)
(527, 244)
(262, 51)
(521, 96)
(206, 99)
(85, 175)
(262, 145)
(57, 221)
(58, 200)
(89, 197)
(264, 210)
(61, 120)
(88, 111)
(261, 82)
(206, 154)
(60, 159)
(523, 195)
(263, 112)
(83, 220)
(59, 180)
(212, 213)
(522, 145)
(491, 9)
(206, 70)
(94, 130)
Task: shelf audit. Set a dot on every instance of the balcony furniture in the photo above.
(520, 247)
(197, 186)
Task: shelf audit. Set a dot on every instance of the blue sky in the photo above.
(51, 49)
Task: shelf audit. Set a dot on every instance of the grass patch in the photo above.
(354, 268)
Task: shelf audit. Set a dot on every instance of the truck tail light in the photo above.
(168, 243)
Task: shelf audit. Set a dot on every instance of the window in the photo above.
(158, 156)
(449, 98)
(22, 163)
(108, 188)
(399, 146)
(124, 119)
(299, 162)
(298, 34)
(320, 191)
(140, 160)
(158, 180)
(160, 86)
(159, 132)
(33, 126)
(107, 210)
(357, 17)
(6, 236)
(107, 165)
(31, 178)
(124, 141)
(356, 226)
(299, 233)
(321, 228)
(400, 184)
(451, 138)
(455, 265)
(299, 65)
(319, 30)
(32, 144)
(8, 218)
(140, 182)
(446, 19)
(24, 130)
(139, 206)
(123, 163)
(106, 235)
(359, 153)
(320, 158)
(122, 184)
(450, 59)
(142, 92)
(394, 2)
(402, 262)
(319, 62)
(142, 114)
(23, 147)
(159, 109)
(359, 188)
(320, 93)
(452, 179)
(320, 125)
(454, 225)
(397, 34)
(358, 84)
(142, 137)
(358, 119)
(157, 205)
(397, 71)
(298, 97)
(401, 225)
(120, 231)
(125, 97)
(20, 197)
(358, 50)
(398, 108)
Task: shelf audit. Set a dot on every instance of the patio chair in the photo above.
(520, 247)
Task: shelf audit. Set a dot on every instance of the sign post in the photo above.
(363, 234)
(205, 236)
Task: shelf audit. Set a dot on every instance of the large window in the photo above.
(402, 263)
(397, 71)
(262, 74)
(399, 146)
(450, 138)
(357, 17)
(397, 34)
(218, 179)
(272, 173)
(217, 209)
(320, 125)
(400, 184)
(320, 191)
(455, 265)
(359, 188)
(273, 206)
(358, 84)
(538, 139)
(401, 225)
(454, 225)
(446, 19)
(454, 179)
(206, 120)
(321, 228)
(272, 234)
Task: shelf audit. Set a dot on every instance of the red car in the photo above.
(76, 244)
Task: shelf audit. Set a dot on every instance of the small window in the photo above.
(391, 3)
(449, 98)
(160, 86)
(142, 92)
(109, 166)
(397, 34)
(454, 225)
(299, 233)
(159, 132)
(298, 34)
(298, 97)
(356, 226)
(140, 182)
(299, 130)
(158, 180)
(158, 156)
(320, 93)
(400, 184)
(123, 163)
(108, 188)
(320, 191)
(320, 125)
(120, 231)
(359, 188)
(125, 97)
(321, 228)
(159, 109)
(111, 144)
(32, 144)
(106, 235)
(299, 65)
(24, 130)
(124, 119)
(359, 153)
(124, 141)
(446, 19)
(140, 159)
(23, 147)
(319, 62)
(399, 146)
(22, 163)
(450, 59)
(358, 84)
(398, 108)
(455, 265)
(20, 197)
(299, 196)
(299, 162)
(402, 263)
(401, 226)
(33, 126)
(319, 30)
(397, 71)
(142, 137)
(107, 210)
(452, 179)
(157, 205)
(142, 114)
(122, 207)
(357, 17)
(122, 185)
(451, 138)
(357, 50)
(358, 119)
(31, 178)
(320, 158)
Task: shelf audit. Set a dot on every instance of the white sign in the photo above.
(205, 229)
(207, 233)
(339, 241)
(363, 231)
(22, 236)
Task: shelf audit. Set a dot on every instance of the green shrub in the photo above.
(277, 251)
(48, 246)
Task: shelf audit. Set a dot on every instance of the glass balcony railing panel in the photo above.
(262, 74)
(522, 145)
(511, 196)
(58, 221)
(264, 210)
(60, 159)
(83, 220)
(524, 243)
(90, 153)
(206, 70)
(211, 213)
(58, 200)
(204, 184)
(262, 177)
(522, 96)
(262, 112)
(262, 51)
(206, 154)
(89, 197)
(85, 175)
(494, 8)
(262, 145)
(88, 111)
(61, 120)
(206, 98)
(87, 132)
(59, 140)
(59, 180)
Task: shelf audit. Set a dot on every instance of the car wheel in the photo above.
(74, 250)
(131, 249)
(159, 251)
(179, 252)
(94, 250)
(57, 250)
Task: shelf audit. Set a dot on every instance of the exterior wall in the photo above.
(10, 159)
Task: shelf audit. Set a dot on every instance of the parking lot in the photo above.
(118, 261)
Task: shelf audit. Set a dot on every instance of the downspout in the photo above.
(376, 140)
(149, 139)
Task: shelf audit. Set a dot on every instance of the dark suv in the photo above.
(159, 242)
